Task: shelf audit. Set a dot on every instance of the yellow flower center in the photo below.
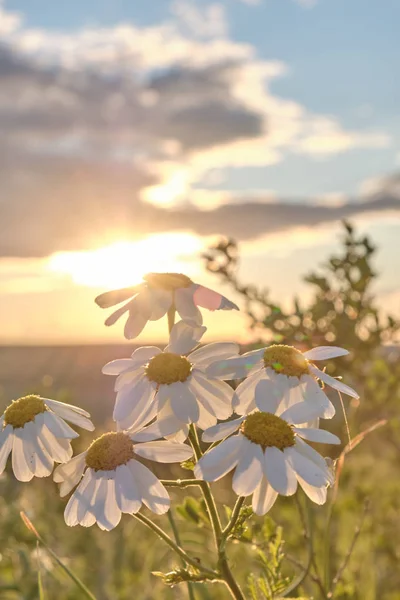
(286, 360)
(168, 281)
(109, 451)
(167, 368)
(268, 430)
(23, 410)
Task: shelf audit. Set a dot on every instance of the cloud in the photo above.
(96, 123)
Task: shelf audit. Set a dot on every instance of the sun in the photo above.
(124, 263)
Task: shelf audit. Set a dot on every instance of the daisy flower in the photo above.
(171, 386)
(151, 300)
(112, 481)
(34, 429)
(288, 374)
(269, 456)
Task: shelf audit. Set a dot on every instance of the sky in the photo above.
(134, 134)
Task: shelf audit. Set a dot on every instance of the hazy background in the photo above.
(132, 133)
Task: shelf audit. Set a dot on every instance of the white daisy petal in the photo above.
(85, 514)
(186, 307)
(243, 400)
(59, 449)
(301, 413)
(216, 395)
(184, 404)
(70, 473)
(105, 505)
(164, 452)
(126, 490)
(314, 394)
(263, 498)
(55, 403)
(153, 493)
(129, 379)
(161, 302)
(324, 353)
(133, 401)
(166, 424)
(235, 368)
(21, 468)
(69, 413)
(218, 461)
(267, 396)
(40, 461)
(58, 426)
(317, 435)
(334, 383)
(212, 352)
(316, 494)
(6, 444)
(134, 325)
(118, 366)
(79, 497)
(249, 470)
(307, 469)
(183, 338)
(113, 297)
(141, 356)
(207, 417)
(222, 430)
(117, 314)
(278, 472)
(308, 452)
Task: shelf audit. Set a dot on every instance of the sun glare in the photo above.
(124, 263)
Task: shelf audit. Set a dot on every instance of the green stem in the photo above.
(182, 483)
(226, 573)
(234, 517)
(170, 542)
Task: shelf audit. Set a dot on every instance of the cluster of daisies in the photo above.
(161, 395)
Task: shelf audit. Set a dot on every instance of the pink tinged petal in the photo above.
(263, 498)
(59, 449)
(6, 444)
(267, 396)
(186, 307)
(324, 353)
(249, 470)
(207, 298)
(58, 426)
(126, 491)
(21, 468)
(212, 352)
(132, 402)
(314, 394)
(72, 414)
(279, 472)
(116, 367)
(135, 324)
(307, 469)
(184, 404)
(316, 494)
(317, 435)
(218, 461)
(222, 430)
(164, 452)
(183, 338)
(85, 514)
(161, 302)
(77, 498)
(216, 395)
(334, 383)
(114, 297)
(69, 474)
(153, 493)
(301, 413)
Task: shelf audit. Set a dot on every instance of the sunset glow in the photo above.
(124, 263)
